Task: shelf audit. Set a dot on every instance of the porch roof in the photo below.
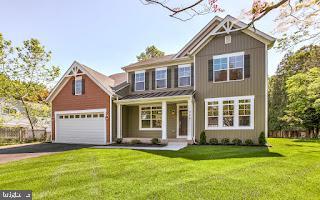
(159, 94)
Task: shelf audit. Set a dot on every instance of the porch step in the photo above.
(177, 140)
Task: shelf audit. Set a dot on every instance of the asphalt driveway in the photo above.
(8, 154)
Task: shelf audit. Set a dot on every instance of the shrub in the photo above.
(213, 141)
(262, 138)
(135, 142)
(248, 142)
(236, 141)
(203, 138)
(119, 140)
(225, 141)
(155, 141)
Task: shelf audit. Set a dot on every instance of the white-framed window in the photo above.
(139, 81)
(78, 85)
(184, 75)
(161, 77)
(150, 117)
(228, 67)
(229, 113)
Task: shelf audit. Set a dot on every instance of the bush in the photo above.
(119, 140)
(262, 138)
(225, 141)
(155, 141)
(203, 138)
(236, 141)
(213, 141)
(135, 142)
(248, 142)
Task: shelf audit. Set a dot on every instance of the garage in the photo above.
(81, 127)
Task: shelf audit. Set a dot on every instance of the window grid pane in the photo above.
(244, 112)
(139, 81)
(151, 117)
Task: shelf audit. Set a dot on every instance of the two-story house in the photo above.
(216, 83)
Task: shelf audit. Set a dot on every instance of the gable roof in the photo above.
(216, 26)
(118, 78)
(103, 81)
(228, 25)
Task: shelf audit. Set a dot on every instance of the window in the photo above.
(66, 116)
(184, 75)
(244, 112)
(71, 116)
(161, 78)
(213, 114)
(83, 116)
(150, 117)
(101, 115)
(95, 115)
(89, 116)
(228, 67)
(139, 81)
(61, 117)
(77, 116)
(78, 85)
(229, 113)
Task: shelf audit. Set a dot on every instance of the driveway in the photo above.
(19, 152)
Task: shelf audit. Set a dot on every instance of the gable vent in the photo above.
(227, 39)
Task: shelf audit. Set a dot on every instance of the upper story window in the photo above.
(161, 78)
(140, 80)
(78, 85)
(229, 113)
(184, 75)
(228, 67)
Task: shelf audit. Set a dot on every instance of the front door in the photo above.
(183, 123)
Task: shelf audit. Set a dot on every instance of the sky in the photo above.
(107, 35)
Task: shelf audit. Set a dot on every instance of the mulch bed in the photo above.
(138, 145)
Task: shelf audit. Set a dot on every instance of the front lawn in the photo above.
(288, 170)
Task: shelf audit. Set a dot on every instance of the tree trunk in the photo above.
(29, 117)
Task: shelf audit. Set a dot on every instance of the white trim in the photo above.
(228, 67)
(220, 116)
(110, 121)
(144, 80)
(194, 72)
(178, 119)
(119, 121)
(190, 119)
(164, 121)
(266, 92)
(153, 100)
(140, 124)
(166, 82)
(56, 113)
(184, 66)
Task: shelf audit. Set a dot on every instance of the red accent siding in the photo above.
(94, 98)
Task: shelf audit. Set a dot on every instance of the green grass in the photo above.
(288, 170)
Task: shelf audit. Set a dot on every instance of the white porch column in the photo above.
(190, 119)
(119, 121)
(164, 120)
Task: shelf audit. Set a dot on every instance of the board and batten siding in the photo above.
(255, 85)
(150, 82)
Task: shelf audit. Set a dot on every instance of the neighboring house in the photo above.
(12, 114)
(216, 83)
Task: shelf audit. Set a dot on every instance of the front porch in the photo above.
(163, 118)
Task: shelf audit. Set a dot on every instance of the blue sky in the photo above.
(107, 35)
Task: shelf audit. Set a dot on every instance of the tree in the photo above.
(27, 71)
(150, 52)
(300, 61)
(298, 20)
(303, 99)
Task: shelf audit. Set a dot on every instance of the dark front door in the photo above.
(183, 123)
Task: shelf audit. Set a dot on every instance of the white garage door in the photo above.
(81, 128)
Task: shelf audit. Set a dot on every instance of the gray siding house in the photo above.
(216, 83)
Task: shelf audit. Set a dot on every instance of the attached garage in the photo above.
(81, 127)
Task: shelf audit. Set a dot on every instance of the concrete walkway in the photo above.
(172, 146)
